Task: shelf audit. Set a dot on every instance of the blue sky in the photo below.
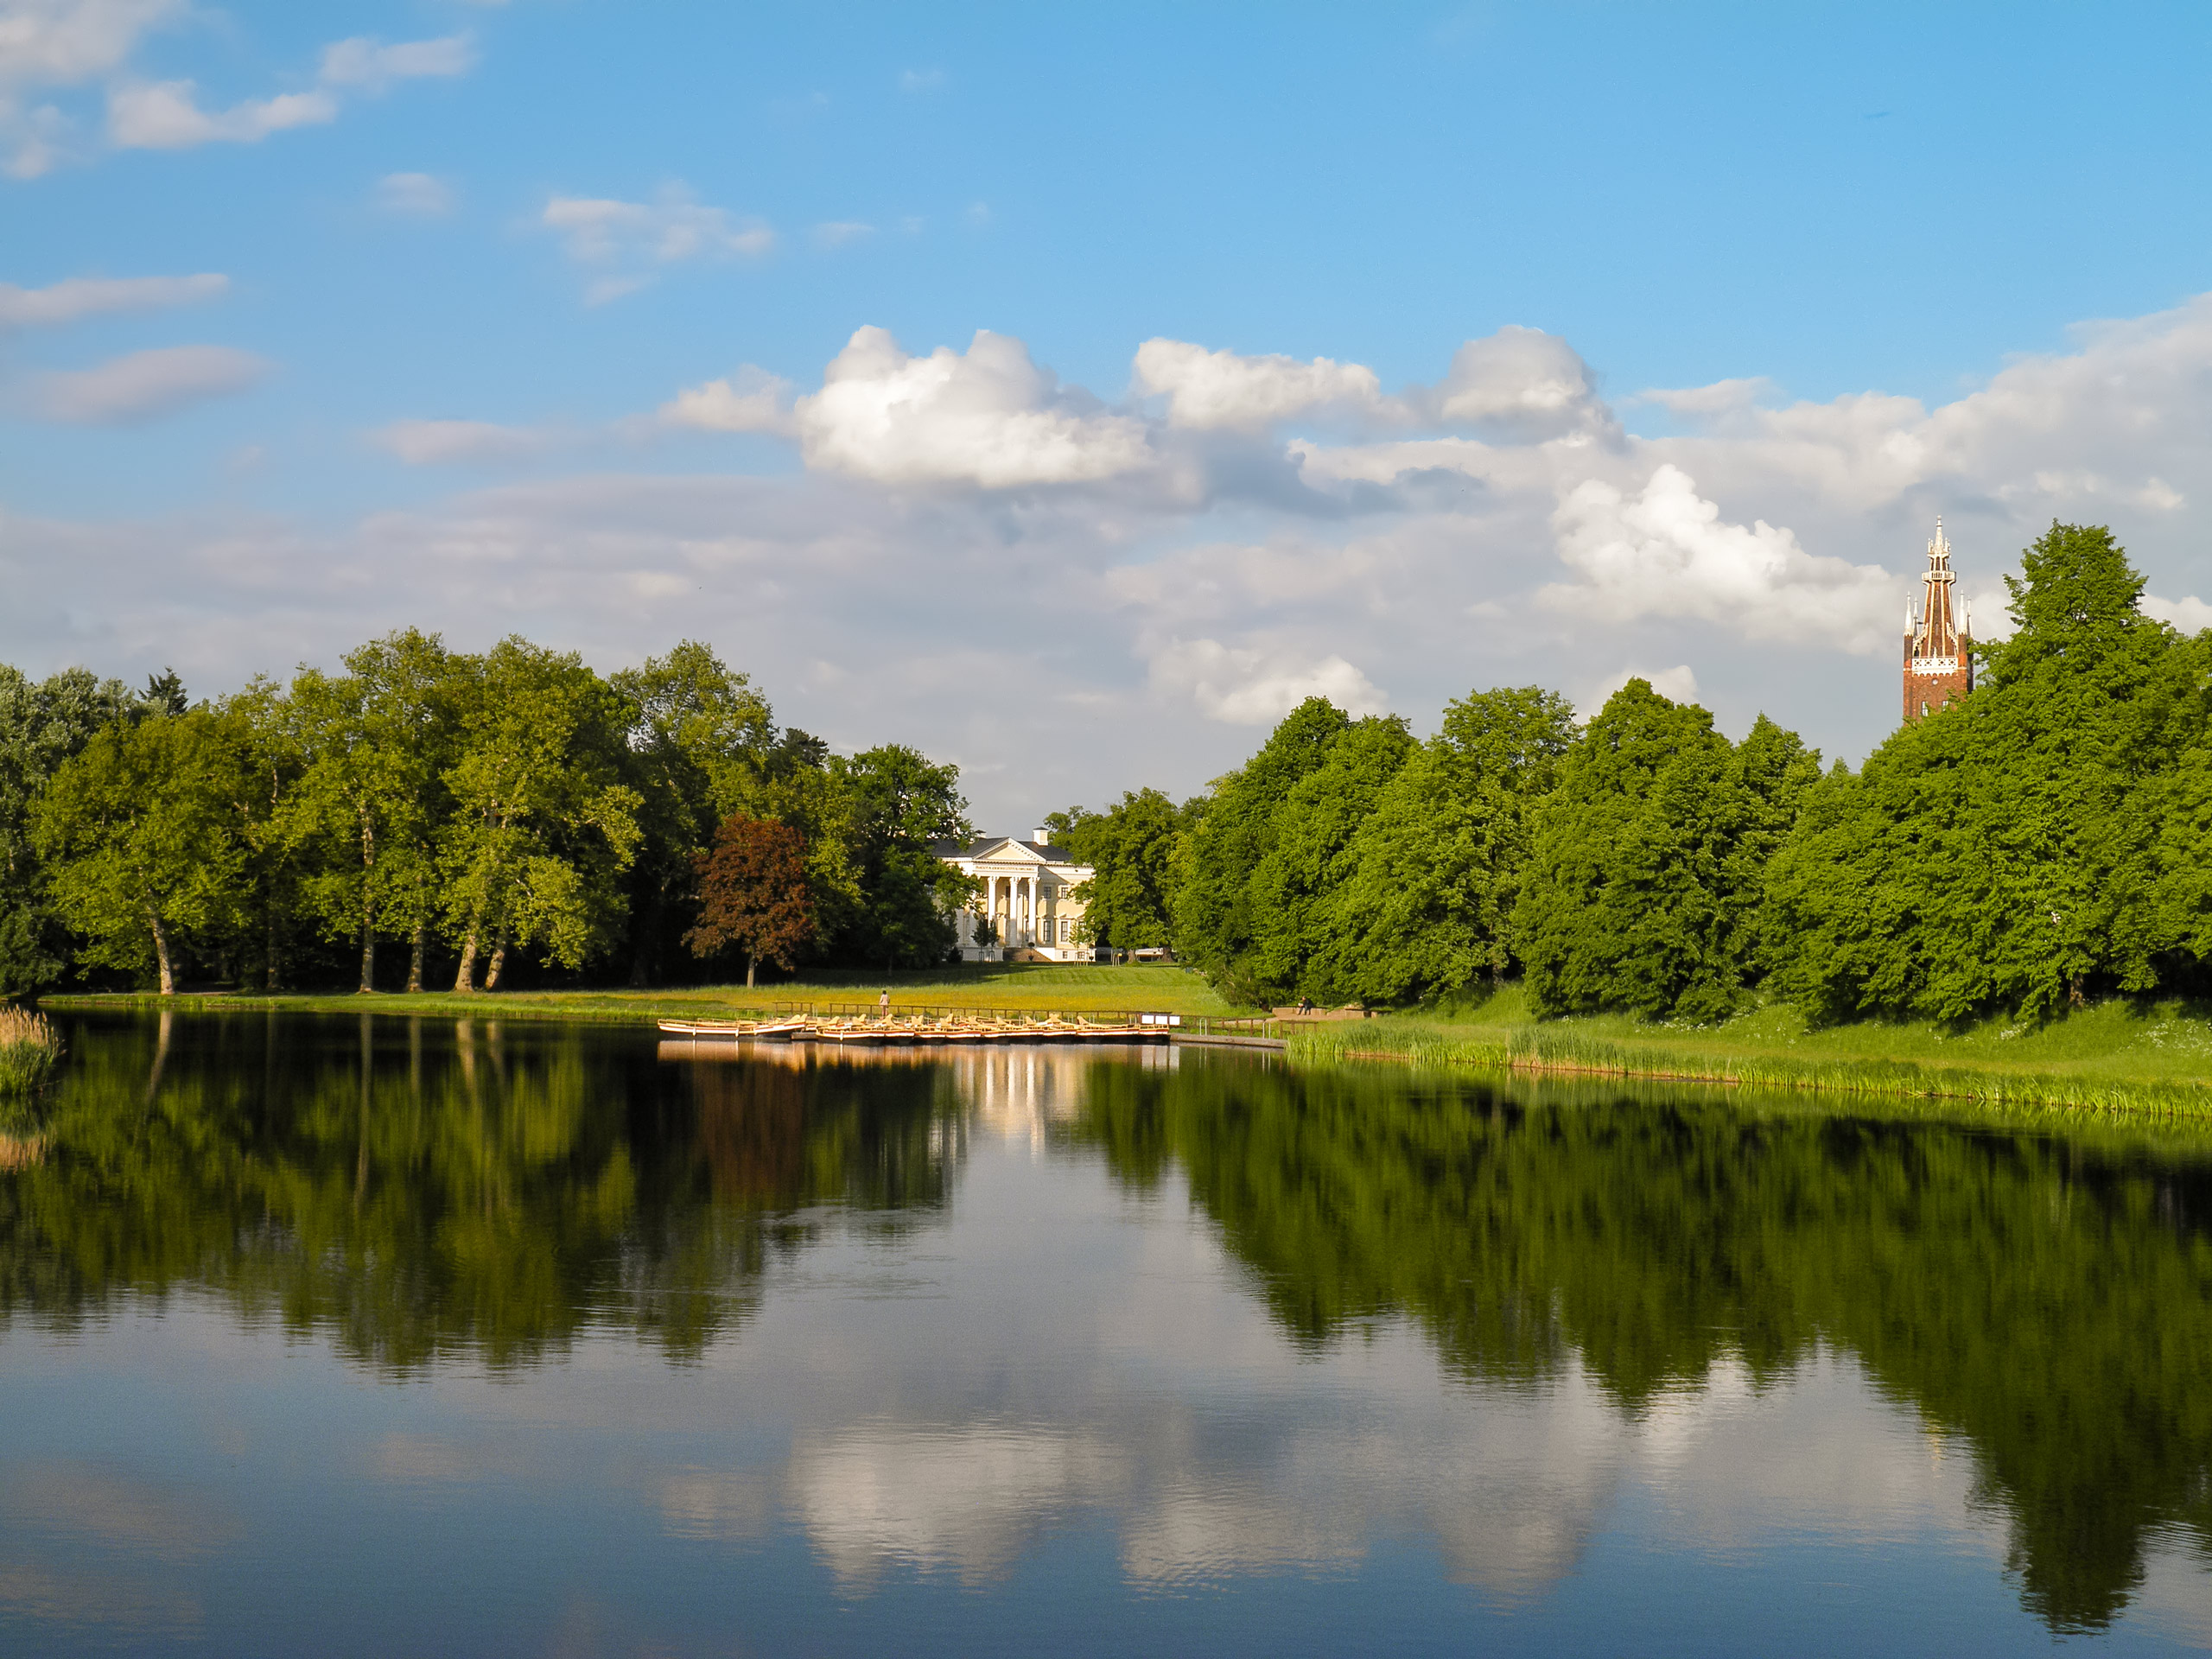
(548, 221)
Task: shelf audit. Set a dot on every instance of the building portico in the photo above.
(1028, 897)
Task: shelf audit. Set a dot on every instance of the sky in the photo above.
(1068, 390)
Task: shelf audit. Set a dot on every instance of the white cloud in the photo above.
(1667, 553)
(1676, 684)
(989, 417)
(752, 400)
(640, 236)
(1520, 383)
(1715, 402)
(146, 384)
(166, 115)
(1220, 389)
(443, 443)
(368, 63)
(76, 297)
(1251, 687)
(837, 233)
(920, 80)
(414, 195)
(67, 43)
(2191, 615)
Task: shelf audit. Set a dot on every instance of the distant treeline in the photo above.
(465, 813)
(2045, 840)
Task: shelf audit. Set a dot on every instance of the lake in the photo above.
(382, 1336)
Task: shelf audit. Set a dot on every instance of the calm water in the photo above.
(351, 1337)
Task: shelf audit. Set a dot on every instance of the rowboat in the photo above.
(733, 1028)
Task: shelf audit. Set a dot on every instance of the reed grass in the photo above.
(2136, 1071)
(31, 1048)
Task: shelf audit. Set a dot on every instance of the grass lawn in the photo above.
(2154, 1055)
(1016, 987)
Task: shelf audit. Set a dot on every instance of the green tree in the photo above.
(701, 746)
(2028, 847)
(43, 725)
(543, 824)
(752, 894)
(901, 805)
(1218, 923)
(1437, 866)
(1647, 868)
(1128, 901)
(142, 834)
(378, 737)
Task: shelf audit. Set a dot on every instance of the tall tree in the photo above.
(1437, 866)
(141, 835)
(699, 746)
(901, 805)
(2028, 847)
(379, 737)
(43, 725)
(1647, 867)
(541, 823)
(1128, 901)
(752, 894)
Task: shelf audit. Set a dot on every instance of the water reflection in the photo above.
(933, 1318)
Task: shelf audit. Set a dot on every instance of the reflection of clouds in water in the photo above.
(2173, 1597)
(73, 1598)
(710, 1503)
(966, 1499)
(131, 1514)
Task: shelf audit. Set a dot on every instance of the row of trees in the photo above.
(2046, 840)
(470, 809)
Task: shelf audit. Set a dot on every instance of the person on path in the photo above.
(883, 1003)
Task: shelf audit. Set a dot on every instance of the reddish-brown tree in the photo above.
(753, 894)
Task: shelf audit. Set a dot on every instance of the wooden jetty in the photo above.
(916, 1032)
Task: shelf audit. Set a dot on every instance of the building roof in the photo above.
(984, 846)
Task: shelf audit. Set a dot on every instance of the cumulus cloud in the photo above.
(837, 233)
(47, 44)
(1244, 686)
(414, 195)
(989, 417)
(78, 297)
(368, 63)
(752, 400)
(146, 384)
(633, 239)
(1220, 389)
(1710, 402)
(1676, 684)
(1522, 383)
(1666, 552)
(2191, 615)
(166, 115)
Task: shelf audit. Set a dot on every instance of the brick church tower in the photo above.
(1938, 648)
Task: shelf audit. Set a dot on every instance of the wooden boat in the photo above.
(732, 1028)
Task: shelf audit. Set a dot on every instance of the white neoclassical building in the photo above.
(1027, 887)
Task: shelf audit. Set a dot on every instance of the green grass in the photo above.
(2119, 1055)
(1015, 987)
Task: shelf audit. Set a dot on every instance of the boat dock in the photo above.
(933, 1029)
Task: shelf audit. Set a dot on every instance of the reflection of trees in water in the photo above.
(2050, 1298)
(418, 1190)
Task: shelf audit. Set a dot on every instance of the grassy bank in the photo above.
(2119, 1055)
(1016, 987)
(29, 1050)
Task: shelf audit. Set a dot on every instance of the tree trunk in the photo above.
(415, 961)
(498, 962)
(368, 906)
(465, 980)
(161, 954)
(750, 962)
